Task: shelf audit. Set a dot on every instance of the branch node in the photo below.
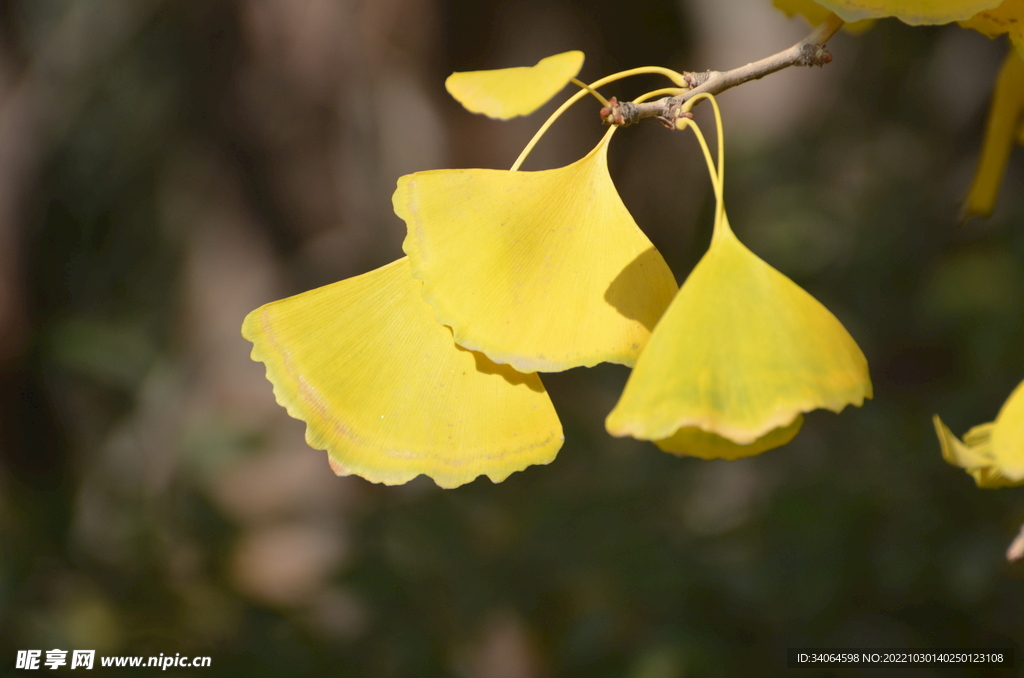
(618, 113)
(810, 51)
(814, 55)
(696, 79)
(673, 115)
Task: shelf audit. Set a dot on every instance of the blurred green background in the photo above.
(166, 167)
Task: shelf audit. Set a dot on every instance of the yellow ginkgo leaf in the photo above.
(1008, 435)
(544, 271)
(1004, 118)
(1006, 18)
(385, 390)
(507, 92)
(913, 12)
(815, 14)
(993, 454)
(741, 352)
(694, 442)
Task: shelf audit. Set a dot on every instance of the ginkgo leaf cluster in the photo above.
(429, 365)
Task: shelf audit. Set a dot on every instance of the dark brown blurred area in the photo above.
(166, 167)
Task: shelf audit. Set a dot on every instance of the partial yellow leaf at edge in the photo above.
(1008, 436)
(815, 14)
(914, 12)
(509, 92)
(1004, 118)
(1008, 18)
(973, 454)
(385, 390)
(956, 453)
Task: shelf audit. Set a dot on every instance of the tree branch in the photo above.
(808, 52)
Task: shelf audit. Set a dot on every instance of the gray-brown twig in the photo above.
(808, 52)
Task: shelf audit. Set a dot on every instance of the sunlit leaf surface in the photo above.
(544, 271)
(385, 390)
(741, 353)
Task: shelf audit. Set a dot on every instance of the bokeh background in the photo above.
(166, 167)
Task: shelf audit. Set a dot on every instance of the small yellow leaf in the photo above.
(913, 12)
(815, 14)
(508, 92)
(385, 390)
(694, 442)
(1004, 118)
(741, 352)
(1006, 18)
(544, 271)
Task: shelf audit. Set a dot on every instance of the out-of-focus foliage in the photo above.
(992, 453)
(168, 167)
(1005, 116)
(1007, 18)
(816, 14)
(914, 12)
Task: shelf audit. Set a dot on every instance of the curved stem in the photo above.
(715, 180)
(658, 70)
(720, 207)
(597, 95)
